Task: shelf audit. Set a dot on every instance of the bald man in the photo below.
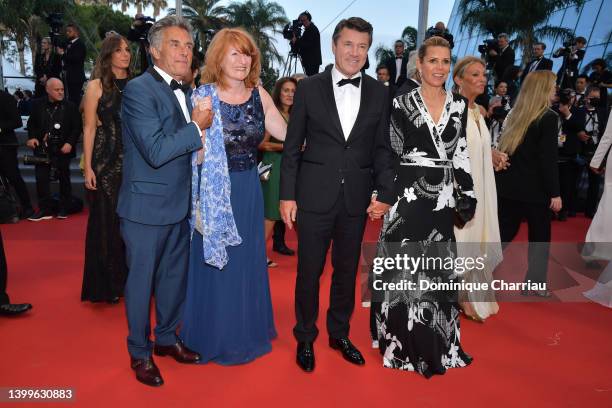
(53, 131)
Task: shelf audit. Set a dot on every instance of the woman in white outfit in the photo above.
(480, 236)
(599, 237)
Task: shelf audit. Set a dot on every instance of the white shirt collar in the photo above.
(72, 41)
(337, 75)
(164, 74)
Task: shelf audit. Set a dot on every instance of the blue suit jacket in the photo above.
(157, 140)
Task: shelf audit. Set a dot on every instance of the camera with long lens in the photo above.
(56, 23)
(144, 24)
(485, 47)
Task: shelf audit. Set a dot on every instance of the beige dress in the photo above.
(480, 236)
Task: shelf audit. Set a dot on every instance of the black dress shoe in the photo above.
(14, 309)
(146, 371)
(283, 249)
(179, 352)
(305, 356)
(349, 352)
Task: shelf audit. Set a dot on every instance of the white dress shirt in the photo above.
(348, 100)
(180, 95)
(398, 67)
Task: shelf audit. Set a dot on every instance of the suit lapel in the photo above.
(165, 88)
(330, 102)
(188, 100)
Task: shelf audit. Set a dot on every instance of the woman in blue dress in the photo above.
(228, 310)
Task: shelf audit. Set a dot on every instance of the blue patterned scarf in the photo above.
(218, 225)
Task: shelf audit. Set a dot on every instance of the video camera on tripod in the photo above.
(484, 48)
(142, 25)
(293, 30)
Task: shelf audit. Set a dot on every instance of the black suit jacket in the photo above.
(544, 65)
(69, 119)
(359, 165)
(309, 46)
(392, 67)
(9, 119)
(503, 61)
(533, 175)
(74, 60)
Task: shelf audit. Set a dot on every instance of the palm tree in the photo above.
(524, 18)
(409, 36)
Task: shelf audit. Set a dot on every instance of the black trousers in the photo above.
(4, 298)
(9, 168)
(278, 236)
(568, 177)
(310, 70)
(43, 184)
(592, 198)
(538, 215)
(315, 234)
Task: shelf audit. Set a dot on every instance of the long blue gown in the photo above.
(228, 313)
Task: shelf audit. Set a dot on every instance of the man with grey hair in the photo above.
(503, 56)
(160, 130)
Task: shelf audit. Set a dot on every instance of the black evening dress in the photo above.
(105, 265)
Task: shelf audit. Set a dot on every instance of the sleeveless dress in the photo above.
(105, 269)
(418, 330)
(228, 313)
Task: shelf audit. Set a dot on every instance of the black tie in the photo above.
(355, 81)
(174, 85)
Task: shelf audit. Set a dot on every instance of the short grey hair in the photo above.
(502, 35)
(156, 31)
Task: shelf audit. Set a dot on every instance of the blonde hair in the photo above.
(531, 103)
(244, 43)
(432, 42)
(462, 65)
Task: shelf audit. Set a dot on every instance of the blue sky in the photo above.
(389, 17)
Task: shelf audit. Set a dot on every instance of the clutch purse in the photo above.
(465, 208)
(264, 171)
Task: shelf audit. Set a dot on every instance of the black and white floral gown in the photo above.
(419, 330)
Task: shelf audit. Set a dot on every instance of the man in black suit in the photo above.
(73, 61)
(309, 45)
(53, 131)
(538, 63)
(9, 167)
(397, 65)
(6, 307)
(572, 55)
(503, 56)
(344, 173)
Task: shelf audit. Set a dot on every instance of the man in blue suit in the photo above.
(160, 130)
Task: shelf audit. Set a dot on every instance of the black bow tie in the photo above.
(185, 87)
(355, 81)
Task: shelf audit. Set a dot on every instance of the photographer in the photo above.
(502, 57)
(571, 123)
(539, 62)
(602, 78)
(9, 168)
(73, 60)
(309, 45)
(582, 82)
(594, 119)
(439, 30)
(572, 53)
(53, 130)
(499, 106)
(138, 33)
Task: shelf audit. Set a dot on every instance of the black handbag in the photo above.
(465, 208)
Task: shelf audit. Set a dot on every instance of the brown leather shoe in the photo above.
(146, 371)
(179, 352)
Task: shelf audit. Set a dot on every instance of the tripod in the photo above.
(291, 64)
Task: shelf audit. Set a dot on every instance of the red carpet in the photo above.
(530, 355)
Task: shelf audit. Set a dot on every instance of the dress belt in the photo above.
(426, 162)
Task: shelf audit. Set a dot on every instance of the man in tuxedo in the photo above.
(9, 167)
(309, 45)
(503, 56)
(160, 130)
(538, 63)
(344, 173)
(73, 62)
(397, 65)
(582, 83)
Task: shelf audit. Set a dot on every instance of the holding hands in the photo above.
(500, 160)
(377, 209)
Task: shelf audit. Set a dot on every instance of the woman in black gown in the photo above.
(47, 64)
(418, 330)
(105, 267)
